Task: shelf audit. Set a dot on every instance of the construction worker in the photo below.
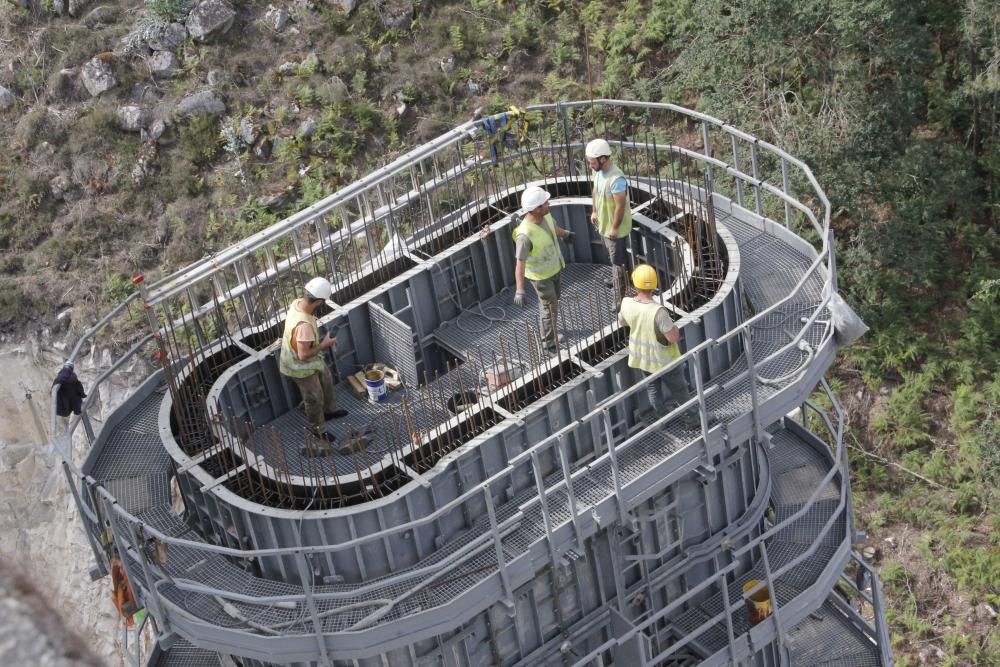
(302, 359)
(652, 344)
(611, 213)
(539, 259)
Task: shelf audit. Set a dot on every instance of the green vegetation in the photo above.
(892, 103)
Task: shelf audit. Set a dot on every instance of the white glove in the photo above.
(519, 298)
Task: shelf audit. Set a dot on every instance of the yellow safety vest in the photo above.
(644, 350)
(604, 204)
(289, 363)
(545, 259)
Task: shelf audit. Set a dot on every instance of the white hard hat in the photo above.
(598, 148)
(319, 288)
(533, 197)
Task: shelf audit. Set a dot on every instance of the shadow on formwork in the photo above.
(509, 504)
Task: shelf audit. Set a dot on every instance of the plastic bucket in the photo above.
(375, 383)
(758, 604)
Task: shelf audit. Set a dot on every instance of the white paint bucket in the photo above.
(375, 383)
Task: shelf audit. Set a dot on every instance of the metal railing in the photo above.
(365, 209)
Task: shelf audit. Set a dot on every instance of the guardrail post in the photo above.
(87, 427)
(543, 500)
(699, 387)
(756, 176)
(94, 546)
(567, 475)
(778, 630)
(706, 144)
(570, 164)
(729, 618)
(738, 167)
(305, 575)
(758, 430)
(786, 188)
(498, 547)
(613, 457)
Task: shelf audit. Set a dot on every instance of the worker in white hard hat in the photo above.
(611, 213)
(539, 259)
(302, 359)
(652, 345)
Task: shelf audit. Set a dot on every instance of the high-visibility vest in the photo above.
(604, 204)
(545, 259)
(644, 350)
(289, 363)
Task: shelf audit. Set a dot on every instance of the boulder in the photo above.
(275, 19)
(210, 19)
(384, 55)
(163, 64)
(60, 185)
(248, 130)
(154, 131)
(448, 64)
(395, 13)
(101, 16)
(6, 98)
(202, 102)
(132, 118)
(170, 37)
(97, 75)
(306, 129)
(346, 6)
(332, 90)
(76, 7)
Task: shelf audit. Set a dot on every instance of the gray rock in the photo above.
(202, 102)
(154, 131)
(101, 16)
(395, 13)
(332, 90)
(262, 149)
(132, 118)
(214, 77)
(248, 130)
(6, 98)
(472, 87)
(163, 64)
(171, 37)
(384, 55)
(76, 7)
(306, 128)
(448, 64)
(275, 19)
(209, 19)
(60, 185)
(288, 68)
(346, 6)
(98, 76)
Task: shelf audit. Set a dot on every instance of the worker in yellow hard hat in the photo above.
(652, 344)
(611, 213)
(539, 259)
(301, 358)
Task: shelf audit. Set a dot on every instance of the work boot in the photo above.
(336, 414)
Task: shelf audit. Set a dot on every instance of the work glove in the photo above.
(519, 298)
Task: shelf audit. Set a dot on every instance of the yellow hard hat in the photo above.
(644, 277)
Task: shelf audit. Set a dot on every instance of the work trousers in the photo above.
(318, 397)
(677, 388)
(619, 266)
(548, 292)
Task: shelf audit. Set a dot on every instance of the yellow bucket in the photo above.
(758, 604)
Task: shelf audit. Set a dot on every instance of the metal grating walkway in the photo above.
(125, 460)
(827, 638)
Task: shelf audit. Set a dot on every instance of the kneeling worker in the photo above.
(539, 259)
(302, 359)
(652, 344)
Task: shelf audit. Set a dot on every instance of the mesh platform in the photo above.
(827, 638)
(183, 654)
(130, 456)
